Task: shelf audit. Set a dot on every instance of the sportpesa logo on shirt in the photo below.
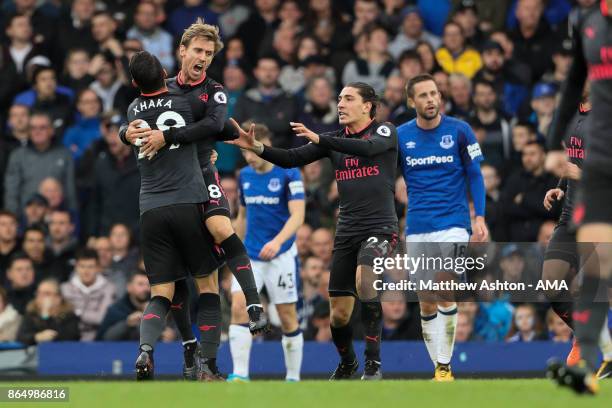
(261, 199)
(424, 161)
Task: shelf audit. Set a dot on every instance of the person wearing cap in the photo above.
(412, 31)
(86, 128)
(31, 164)
(488, 12)
(35, 211)
(562, 59)
(454, 56)
(543, 104)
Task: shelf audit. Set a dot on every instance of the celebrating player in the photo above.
(174, 241)
(592, 58)
(271, 210)
(437, 152)
(364, 156)
(199, 44)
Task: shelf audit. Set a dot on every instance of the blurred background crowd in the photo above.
(70, 266)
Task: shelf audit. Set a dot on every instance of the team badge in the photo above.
(447, 142)
(220, 97)
(274, 185)
(384, 131)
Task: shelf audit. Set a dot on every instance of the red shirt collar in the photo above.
(161, 91)
(346, 129)
(181, 82)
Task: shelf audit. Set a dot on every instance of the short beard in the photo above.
(426, 117)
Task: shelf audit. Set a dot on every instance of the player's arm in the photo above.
(281, 157)
(383, 139)
(240, 223)
(297, 210)
(471, 156)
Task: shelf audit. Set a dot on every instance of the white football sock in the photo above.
(605, 342)
(429, 325)
(293, 349)
(447, 317)
(240, 340)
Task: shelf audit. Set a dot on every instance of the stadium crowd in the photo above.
(70, 267)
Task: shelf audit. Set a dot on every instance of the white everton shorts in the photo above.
(279, 276)
(449, 243)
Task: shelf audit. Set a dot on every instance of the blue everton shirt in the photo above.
(266, 197)
(435, 165)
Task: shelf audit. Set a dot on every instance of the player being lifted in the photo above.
(437, 153)
(561, 256)
(271, 210)
(592, 59)
(364, 156)
(174, 241)
(199, 44)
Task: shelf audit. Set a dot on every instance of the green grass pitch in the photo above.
(323, 394)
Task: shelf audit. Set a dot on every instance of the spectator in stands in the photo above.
(116, 183)
(522, 195)
(74, 29)
(466, 15)
(9, 245)
(412, 32)
(48, 317)
(18, 131)
(533, 38)
(562, 59)
(284, 44)
(20, 282)
(522, 133)
(265, 97)
(321, 245)
(410, 65)
(497, 144)
(231, 15)
(320, 113)
(317, 208)
(86, 128)
(89, 292)
(460, 96)
(185, 14)
(319, 327)
(377, 65)
(119, 279)
(293, 78)
(9, 319)
(154, 39)
(302, 238)
(399, 321)
(558, 331)
(543, 104)
(454, 56)
(465, 328)
(35, 248)
(52, 190)
(494, 209)
(115, 94)
(494, 316)
(29, 165)
(76, 73)
(230, 187)
(62, 242)
(35, 211)
(122, 319)
(257, 31)
(395, 95)
(428, 57)
(103, 30)
(125, 257)
(526, 327)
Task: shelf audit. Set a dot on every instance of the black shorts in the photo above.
(176, 244)
(217, 203)
(596, 186)
(562, 245)
(352, 251)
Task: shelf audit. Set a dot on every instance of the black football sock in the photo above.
(180, 310)
(153, 322)
(589, 317)
(239, 263)
(209, 323)
(371, 317)
(564, 311)
(343, 339)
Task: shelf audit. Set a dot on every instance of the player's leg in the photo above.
(429, 323)
(209, 324)
(240, 337)
(605, 344)
(182, 319)
(280, 279)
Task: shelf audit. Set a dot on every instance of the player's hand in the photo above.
(134, 132)
(153, 143)
(518, 199)
(133, 319)
(480, 232)
(572, 171)
(551, 196)
(213, 157)
(556, 162)
(45, 335)
(302, 131)
(269, 250)
(246, 140)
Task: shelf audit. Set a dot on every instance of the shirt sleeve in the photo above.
(295, 190)
(297, 157)
(477, 188)
(381, 140)
(211, 126)
(469, 149)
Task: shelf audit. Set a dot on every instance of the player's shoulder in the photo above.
(245, 171)
(408, 126)
(290, 173)
(385, 129)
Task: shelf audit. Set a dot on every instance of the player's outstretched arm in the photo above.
(383, 139)
(281, 157)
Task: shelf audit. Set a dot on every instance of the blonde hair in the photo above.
(199, 29)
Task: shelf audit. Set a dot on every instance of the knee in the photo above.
(428, 308)
(220, 229)
(288, 317)
(208, 284)
(340, 316)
